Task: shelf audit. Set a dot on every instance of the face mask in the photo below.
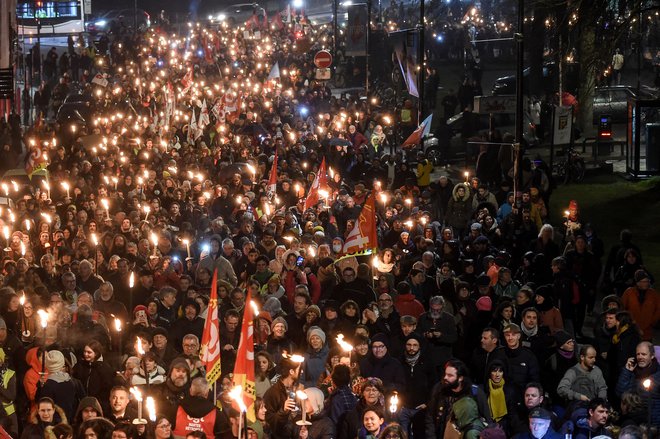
(336, 248)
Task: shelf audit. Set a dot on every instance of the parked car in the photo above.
(238, 13)
(613, 101)
(506, 85)
(105, 22)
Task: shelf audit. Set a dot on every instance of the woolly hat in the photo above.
(315, 330)
(381, 338)
(483, 281)
(179, 363)
(316, 398)
(562, 337)
(139, 308)
(279, 320)
(273, 306)
(54, 361)
(313, 309)
(266, 316)
(484, 303)
(640, 275)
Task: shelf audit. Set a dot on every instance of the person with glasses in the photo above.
(370, 397)
(162, 428)
(393, 431)
(380, 364)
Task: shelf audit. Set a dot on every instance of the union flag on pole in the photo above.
(272, 180)
(244, 367)
(416, 137)
(363, 238)
(320, 183)
(210, 352)
(187, 81)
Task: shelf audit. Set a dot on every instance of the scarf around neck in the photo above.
(412, 360)
(497, 399)
(616, 338)
(529, 332)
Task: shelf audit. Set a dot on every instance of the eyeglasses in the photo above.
(379, 347)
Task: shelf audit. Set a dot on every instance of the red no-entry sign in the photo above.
(323, 59)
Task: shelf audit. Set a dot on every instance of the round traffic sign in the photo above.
(323, 59)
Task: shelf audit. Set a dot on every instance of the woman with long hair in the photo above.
(264, 373)
(94, 373)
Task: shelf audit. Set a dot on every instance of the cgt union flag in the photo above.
(210, 354)
(272, 180)
(320, 183)
(363, 238)
(244, 367)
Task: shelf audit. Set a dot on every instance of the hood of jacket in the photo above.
(32, 359)
(196, 406)
(88, 401)
(465, 411)
(454, 192)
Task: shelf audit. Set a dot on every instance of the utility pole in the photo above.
(517, 183)
(335, 11)
(366, 70)
(420, 57)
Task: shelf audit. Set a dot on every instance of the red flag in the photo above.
(320, 183)
(272, 180)
(187, 81)
(210, 353)
(244, 367)
(277, 23)
(363, 239)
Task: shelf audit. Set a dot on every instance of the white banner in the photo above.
(563, 124)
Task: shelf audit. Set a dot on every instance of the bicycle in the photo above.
(571, 168)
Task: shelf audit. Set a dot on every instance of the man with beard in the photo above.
(595, 424)
(420, 376)
(454, 385)
(439, 329)
(189, 323)
(278, 401)
(522, 365)
(636, 373)
(119, 399)
(584, 381)
(175, 388)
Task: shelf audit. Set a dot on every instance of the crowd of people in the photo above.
(475, 317)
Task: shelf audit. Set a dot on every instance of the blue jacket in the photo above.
(314, 365)
(629, 383)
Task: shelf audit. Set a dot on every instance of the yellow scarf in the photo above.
(497, 400)
(616, 337)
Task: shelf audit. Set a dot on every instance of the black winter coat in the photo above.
(96, 378)
(522, 368)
